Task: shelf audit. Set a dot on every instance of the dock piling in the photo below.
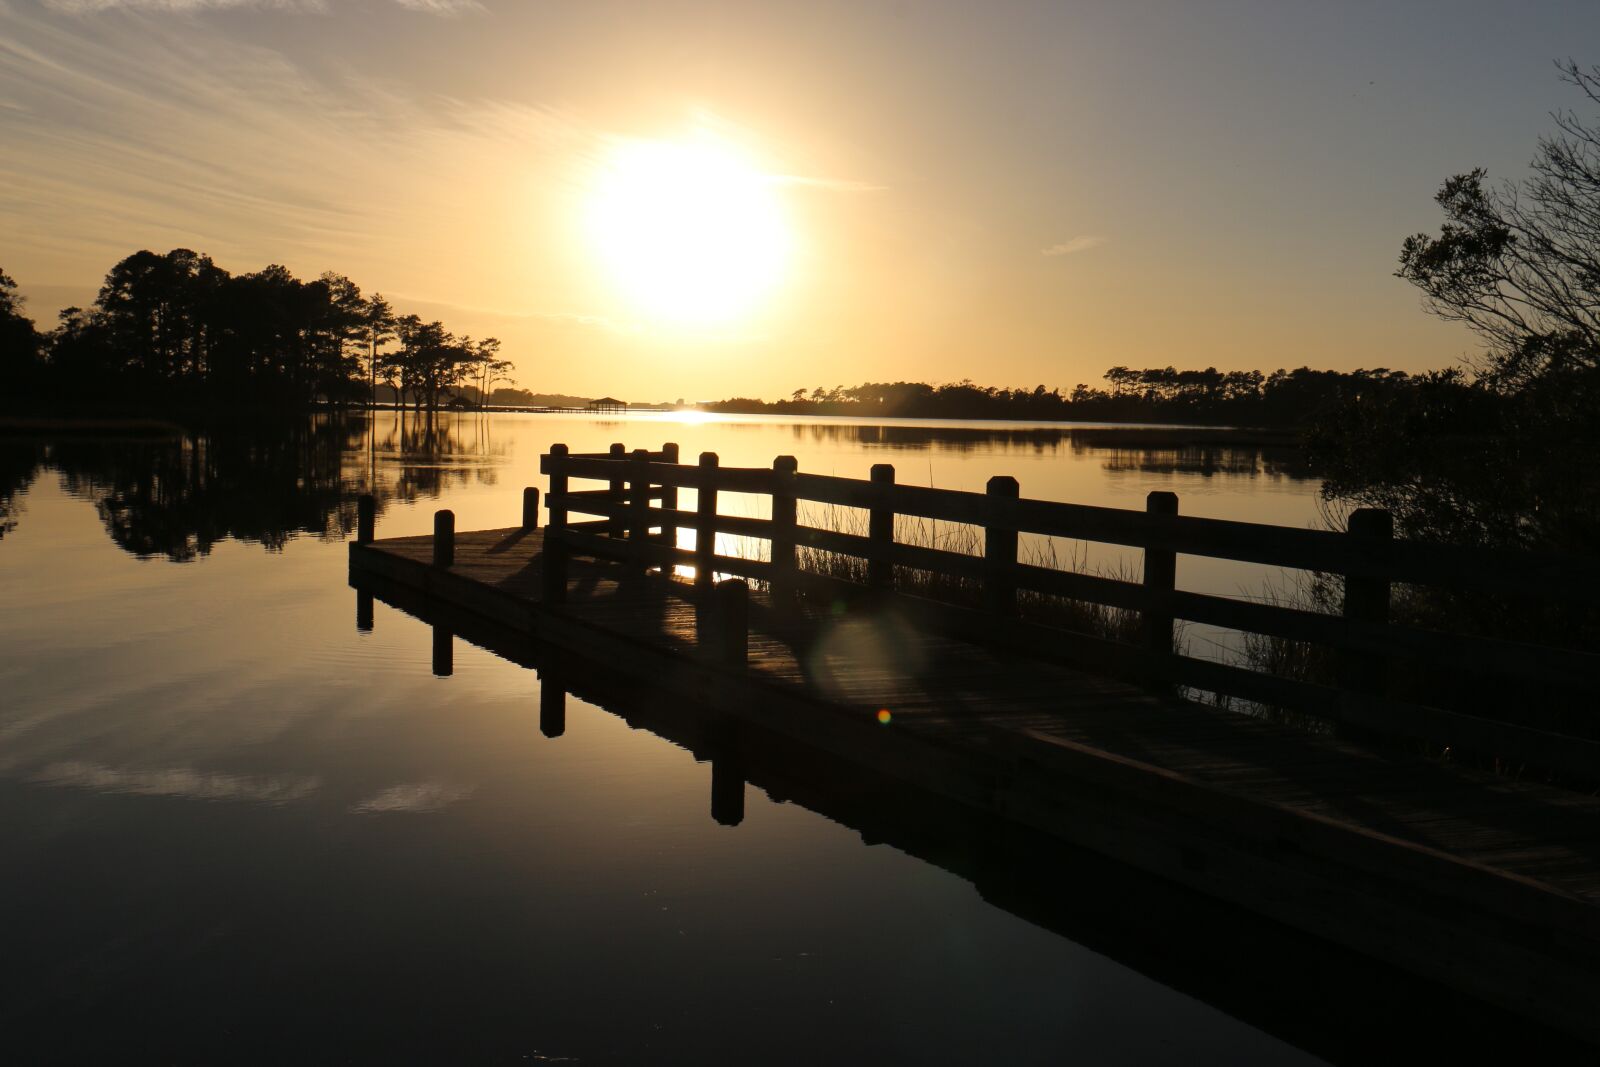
(557, 500)
(1366, 599)
(730, 627)
(444, 538)
(880, 529)
(364, 607)
(639, 507)
(530, 508)
(1160, 580)
(1000, 548)
(366, 518)
(617, 489)
(784, 469)
(705, 533)
(669, 499)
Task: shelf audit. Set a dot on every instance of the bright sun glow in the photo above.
(689, 232)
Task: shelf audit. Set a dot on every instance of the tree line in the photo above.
(175, 328)
(1290, 398)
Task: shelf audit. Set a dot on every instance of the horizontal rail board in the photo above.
(825, 489)
(938, 560)
(1570, 668)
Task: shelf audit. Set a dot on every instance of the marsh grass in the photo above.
(1079, 616)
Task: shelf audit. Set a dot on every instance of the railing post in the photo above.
(618, 525)
(705, 530)
(366, 518)
(530, 508)
(730, 629)
(783, 526)
(444, 538)
(880, 529)
(1000, 549)
(639, 507)
(557, 500)
(1160, 581)
(669, 500)
(1366, 600)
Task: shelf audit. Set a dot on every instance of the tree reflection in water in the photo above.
(264, 483)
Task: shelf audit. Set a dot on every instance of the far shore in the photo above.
(1124, 435)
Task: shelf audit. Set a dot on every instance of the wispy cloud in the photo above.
(121, 134)
(441, 8)
(90, 7)
(413, 798)
(445, 8)
(178, 782)
(1081, 243)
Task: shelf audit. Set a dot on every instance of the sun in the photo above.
(689, 233)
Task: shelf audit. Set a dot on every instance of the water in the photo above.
(235, 828)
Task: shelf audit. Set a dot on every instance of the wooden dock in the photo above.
(1488, 886)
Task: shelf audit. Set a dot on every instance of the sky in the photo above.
(1016, 193)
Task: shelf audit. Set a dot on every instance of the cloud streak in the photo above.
(1073, 246)
(440, 8)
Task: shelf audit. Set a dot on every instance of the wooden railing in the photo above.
(639, 519)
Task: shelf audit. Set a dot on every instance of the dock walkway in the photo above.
(1488, 885)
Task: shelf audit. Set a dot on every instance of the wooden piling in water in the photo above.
(444, 538)
(731, 622)
(366, 518)
(364, 611)
(530, 508)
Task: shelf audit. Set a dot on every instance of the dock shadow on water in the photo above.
(1274, 979)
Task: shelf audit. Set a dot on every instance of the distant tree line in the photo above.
(175, 329)
(1243, 398)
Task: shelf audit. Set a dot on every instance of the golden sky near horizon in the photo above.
(711, 199)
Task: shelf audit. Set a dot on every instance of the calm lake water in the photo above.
(234, 827)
